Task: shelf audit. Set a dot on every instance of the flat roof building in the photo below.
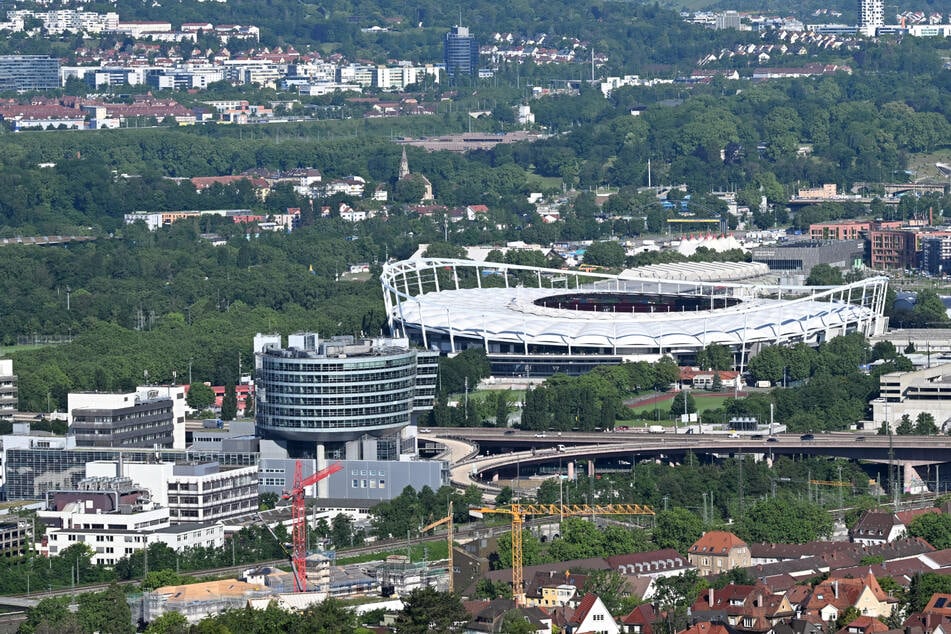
(121, 420)
(28, 72)
(460, 52)
(340, 390)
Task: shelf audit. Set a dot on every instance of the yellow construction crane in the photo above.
(831, 483)
(520, 511)
(445, 520)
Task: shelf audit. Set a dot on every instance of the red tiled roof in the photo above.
(717, 543)
(581, 612)
(706, 627)
(642, 615)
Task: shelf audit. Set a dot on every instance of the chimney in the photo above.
(710, 596)
(835, 588)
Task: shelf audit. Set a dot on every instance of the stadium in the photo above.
(535, 322)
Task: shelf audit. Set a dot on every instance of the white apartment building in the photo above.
(871, 16)
(72, 20)
(143, 29)
(201, 492)
(8, 389)
(114, 536)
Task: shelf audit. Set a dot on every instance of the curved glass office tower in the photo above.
(340, 390)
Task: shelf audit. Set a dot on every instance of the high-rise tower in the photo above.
(871, 16)
(461, 52)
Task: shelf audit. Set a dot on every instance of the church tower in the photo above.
(404, 165)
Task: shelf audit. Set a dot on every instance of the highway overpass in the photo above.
(503, 452)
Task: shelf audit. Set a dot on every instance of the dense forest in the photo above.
(168, 302)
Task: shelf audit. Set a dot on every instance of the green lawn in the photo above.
(704, 403)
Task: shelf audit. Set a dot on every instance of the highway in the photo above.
(508, 448)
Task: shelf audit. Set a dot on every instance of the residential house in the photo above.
(836, 594)
(935, 617)
(864, 625)
(718, 551)
(591, 617)
(656, 563)
(489, 616)
(798, 626)
(877, 527)
(745, 608)
(706, 627)
(640, 620)
(551, 589)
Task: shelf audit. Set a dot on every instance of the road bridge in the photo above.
(510, 450)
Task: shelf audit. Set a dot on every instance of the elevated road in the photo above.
(510, 450)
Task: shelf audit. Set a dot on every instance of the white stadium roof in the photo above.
(509, 315)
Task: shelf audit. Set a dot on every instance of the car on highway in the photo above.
(509, 432)
(772, 439)
(807, 437)
(424, 430)
(860, 439)
(540, 435)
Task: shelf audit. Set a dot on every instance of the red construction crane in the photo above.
(299, 517)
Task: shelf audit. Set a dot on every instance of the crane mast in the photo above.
(299, 517)
(518, 512)
(446, 520)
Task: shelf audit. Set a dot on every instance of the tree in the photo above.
(488, 589)
(923, 587)
(609, 586)
(824, 275)
(847, 616)
(502, 409)
(531, 551)
(106, 612)
(934, 528)
(267, 501)
(330, 616)
(341, 530)
(677, 528)
(168, 623)
(674, 596)
(666, 373)
(767, 365)
(200, 396)
(229, 404)
(609, 254)
(784, 519)
(925, 425)
(426, 610)
(929, 310)
(715, 356)
(514, 622)
(51, 615)
(677, 404)
(905, 426)
(504, 496)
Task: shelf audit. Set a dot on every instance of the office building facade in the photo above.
(460, 52)
(28, 72)
(340, 391)
(123, 421)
